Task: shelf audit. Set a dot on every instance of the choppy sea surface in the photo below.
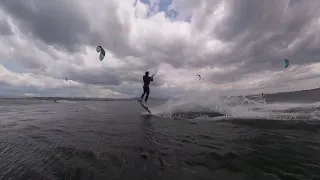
(209, 138)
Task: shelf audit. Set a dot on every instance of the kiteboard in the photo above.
(146, 114)
(144, 107)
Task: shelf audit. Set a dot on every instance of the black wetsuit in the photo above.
(146, 89)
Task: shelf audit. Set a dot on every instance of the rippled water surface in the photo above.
(113, 140)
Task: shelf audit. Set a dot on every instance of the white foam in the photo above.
(237, 107)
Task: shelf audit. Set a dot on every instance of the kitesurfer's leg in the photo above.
(147, 91)
(144, 92)
(142, 96)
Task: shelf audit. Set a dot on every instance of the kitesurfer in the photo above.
(146, 89)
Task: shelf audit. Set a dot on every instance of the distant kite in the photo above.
(286, 63)
(102, 52)
(199, 76)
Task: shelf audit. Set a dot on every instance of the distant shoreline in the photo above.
(78, 98)
(303, 95)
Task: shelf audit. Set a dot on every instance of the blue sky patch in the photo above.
(13, 66)
(160, 6)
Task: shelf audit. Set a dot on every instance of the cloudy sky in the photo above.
(237, 46)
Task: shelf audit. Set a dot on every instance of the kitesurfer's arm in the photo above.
(151, 78)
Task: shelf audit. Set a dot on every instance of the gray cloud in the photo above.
(10, 91)
(257, 36)
(5, 28)
(260, 33)
(108, 76)
(115, 35)
(93, 76)
(55, 22)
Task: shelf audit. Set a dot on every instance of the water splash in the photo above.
(214, 106)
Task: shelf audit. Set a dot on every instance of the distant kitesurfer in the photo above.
(146, 89)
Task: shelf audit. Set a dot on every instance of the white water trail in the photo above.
(247, 107)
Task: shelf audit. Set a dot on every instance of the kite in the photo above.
(102, 52)
(199, 76)
(286, 63)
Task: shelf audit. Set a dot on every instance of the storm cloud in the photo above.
(236, 46)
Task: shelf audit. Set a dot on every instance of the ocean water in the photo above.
(191, 138)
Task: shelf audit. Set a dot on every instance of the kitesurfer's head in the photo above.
(147, 73)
